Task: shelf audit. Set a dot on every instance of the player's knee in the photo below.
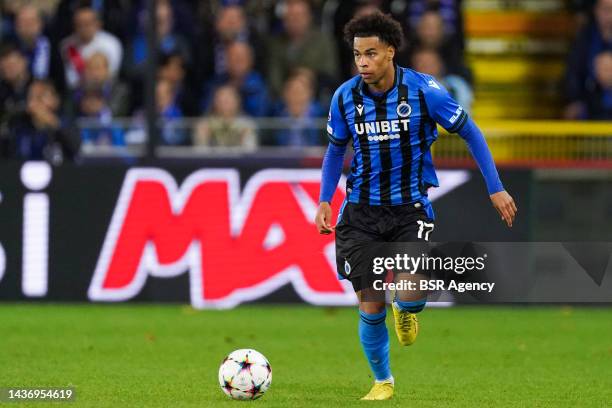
(372, 307)
(411, 307)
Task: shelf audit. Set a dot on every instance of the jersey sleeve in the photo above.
(338, 132)
(443, 108)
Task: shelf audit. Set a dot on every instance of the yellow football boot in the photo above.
(380, 391)
(406, 326)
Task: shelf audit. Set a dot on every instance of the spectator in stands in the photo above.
(585, 83)
(301, 111)
(599, 104)
(88, 38)
(97, 76)
(169, 41)
(430, 34)
(14, 81)
(230, 25)
(171, 67)
(32, 42)
(448, 10)
(301, 45)
(428, 61)
(171, 128)
(242, 76)
(8, 11)
(226, 125)
(581, 10)
(36, 133)
(114, 14)
(96, 120)
(169, 112)
(184, 14)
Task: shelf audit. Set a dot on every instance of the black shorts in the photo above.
(363, 229)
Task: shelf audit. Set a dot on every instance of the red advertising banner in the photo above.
(215, 237)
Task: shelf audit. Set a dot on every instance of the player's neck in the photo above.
(385, 83)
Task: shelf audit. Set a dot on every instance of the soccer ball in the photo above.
(245, 374)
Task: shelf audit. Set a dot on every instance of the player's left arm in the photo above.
(501, 200)
(450, 115)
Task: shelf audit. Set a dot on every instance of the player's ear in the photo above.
(390, 53)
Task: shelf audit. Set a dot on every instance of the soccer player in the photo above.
(390, 113)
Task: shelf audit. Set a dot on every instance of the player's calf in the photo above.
(406, 322)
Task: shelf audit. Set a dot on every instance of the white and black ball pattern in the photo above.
(245, 374)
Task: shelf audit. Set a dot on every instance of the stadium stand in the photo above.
(520, 42)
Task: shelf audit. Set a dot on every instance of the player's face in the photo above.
(373, 58)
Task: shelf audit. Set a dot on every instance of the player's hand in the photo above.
(323, 218)
(505, 206)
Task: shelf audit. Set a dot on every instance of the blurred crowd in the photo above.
(70, 68)
(588, 79)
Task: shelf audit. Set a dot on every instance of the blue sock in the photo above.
(375, 341)
(412, 307)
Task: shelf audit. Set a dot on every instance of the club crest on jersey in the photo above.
(404, 110)
(359, 109)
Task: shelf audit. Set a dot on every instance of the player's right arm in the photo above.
(339, 136)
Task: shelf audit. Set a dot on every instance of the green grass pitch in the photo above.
(168, 355)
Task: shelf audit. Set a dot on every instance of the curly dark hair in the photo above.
(377, 24)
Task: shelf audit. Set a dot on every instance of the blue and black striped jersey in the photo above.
(391, 135)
